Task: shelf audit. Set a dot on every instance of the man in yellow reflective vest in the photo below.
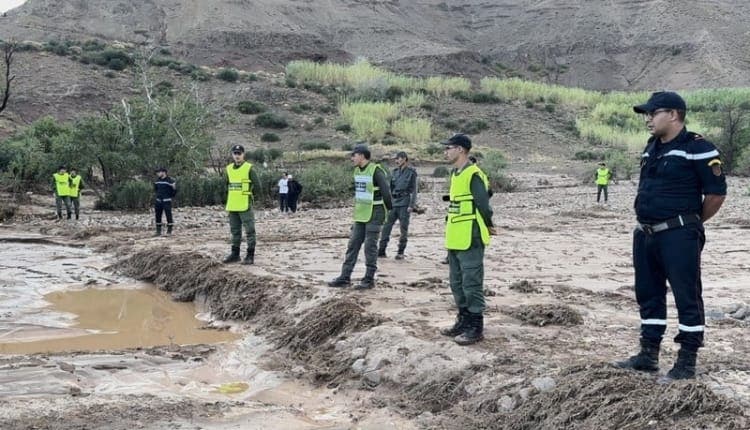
(62, 190)
(372, 200)
(241, 183)
(603, 175)
(76, 185)
(467, 231)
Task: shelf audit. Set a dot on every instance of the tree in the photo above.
(8, 49)
(733, 119)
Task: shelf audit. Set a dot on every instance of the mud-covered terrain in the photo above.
(560, 308)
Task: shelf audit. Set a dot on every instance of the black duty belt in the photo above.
(678, 221)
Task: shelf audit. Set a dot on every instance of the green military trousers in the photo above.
(238, 220)
(467, 276)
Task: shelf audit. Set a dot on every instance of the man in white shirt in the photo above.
(283, 193)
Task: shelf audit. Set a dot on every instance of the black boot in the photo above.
(340, 282)
(684, 367)
(473, 331)
(158, 230)
(646, 361)
(367, 283)
(381, 253)
(169, 229)
(233, 257)
(69, 215)
(459, 325)
(76, 216)
(249, 257)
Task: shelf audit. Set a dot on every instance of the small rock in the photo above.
(730, 309)
(372, 378)
(298, 371)
(543, 384)
(715, 315)
(359, 366)
(506, 403)
(741, 313)
(524, 393)
(358, 352)
(340, 345)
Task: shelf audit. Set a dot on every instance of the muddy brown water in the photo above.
(109, 319)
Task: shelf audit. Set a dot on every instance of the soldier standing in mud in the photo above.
(372, 200)
(241, 180)
(404, 193)
(681, 187)
(76, 185)
(165, 189)
(61, 187)
(467, 232)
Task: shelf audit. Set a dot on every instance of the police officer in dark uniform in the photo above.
(681, 186)
(404, 193)
(165, 189)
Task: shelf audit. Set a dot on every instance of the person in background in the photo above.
(165, 189)
(295, 189)
(372, 200)
(283, 185)
(602, 178)
(61, 190)
(76, 185)
(404, 193)
(241, 184)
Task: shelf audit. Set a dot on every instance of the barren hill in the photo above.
(612, 44)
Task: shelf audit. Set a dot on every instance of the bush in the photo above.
(588, 155)
(261, 155)
(271, 120)
(346, 128)
(318, 120)
(434, 149)
(301, 108)
(251, 107)
(347, 146)
(228, 75)
(313, 145)
(202, 191)
(440, 172)
(549, 107)
(199, 75)
(116, 64)
(130, 195)
(270, 137)
(389, 141)
(326, 181)
(474, 126)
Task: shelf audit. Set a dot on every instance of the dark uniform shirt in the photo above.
(675, 175)
(384, 193)
(404, 186)
(163, 189)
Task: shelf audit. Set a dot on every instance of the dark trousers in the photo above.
(675, 256)
(165, 208)
(238, 220)
(402, 214)
(467, 276)
(283, 202)
(59, 201)
(76, 202)
(367, 233)
(292, 201)
(599, 189)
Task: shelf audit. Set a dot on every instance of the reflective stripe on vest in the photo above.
(602, 176)
(240, 188)
(74, 186)
(462, 213)
(62, 184)
(364, 192)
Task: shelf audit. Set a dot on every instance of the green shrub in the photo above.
(202, 191)
(440, 172)
(588, 155)
(318, 120)
(301, 108)
(434, 149)
(271, 120)
(116, 64)
(313, 145)
(199, 75)
(328, 109)
(249, 77)
(250, 107)
(549, 107)
(326, 182)
(130, 195)
(228, 75)
(158, 61)
(347, 146)
(389, 141)
(93, 45)
(346, 128)
(270, 137)
(474, 126)
(529, 104)
(264, 154)
(164, 88)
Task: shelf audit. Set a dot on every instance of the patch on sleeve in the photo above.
(715, 165)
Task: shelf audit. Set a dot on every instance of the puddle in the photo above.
(111, 319)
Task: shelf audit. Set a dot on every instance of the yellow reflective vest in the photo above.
(462, 213)
(364, 192)
(75, 186)
(240, 188)
(602, 176)
(62, 184)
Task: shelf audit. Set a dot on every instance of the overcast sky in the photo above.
(10, 4)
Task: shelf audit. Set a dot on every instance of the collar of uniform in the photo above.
(679, 138)
(461, 169)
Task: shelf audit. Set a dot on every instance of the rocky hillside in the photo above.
(613, 44)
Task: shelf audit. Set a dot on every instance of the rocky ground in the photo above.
(560, 308)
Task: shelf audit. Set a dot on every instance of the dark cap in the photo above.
(61, 167)
(458, 139)
(402, 154)
(238, 148)
(361, 149)
(161, 169)
(662, 100)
